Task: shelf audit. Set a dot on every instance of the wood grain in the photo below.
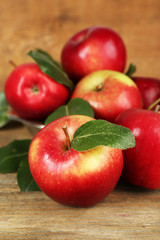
(128, 212)
(25, 25)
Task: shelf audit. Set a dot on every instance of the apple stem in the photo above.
(154, 104)
(131, 70)
(65, 129)
(157, 108)
(13, 63)
(99, 87)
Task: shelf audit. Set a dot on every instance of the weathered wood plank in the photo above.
(127, 213)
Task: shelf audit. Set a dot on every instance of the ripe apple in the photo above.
(32, 93)
(70, 177)
(92, 49)
(142, 163)
(149, 88)
(109, 93)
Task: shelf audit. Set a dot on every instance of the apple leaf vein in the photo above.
(4, 107)
(75, 106)
(100, 132)
(12, 154)
(51, 67)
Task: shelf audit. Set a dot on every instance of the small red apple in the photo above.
(70, 177)
(32, 93)
(109, 93)
(142, 163)
(149, 88)
(92, 49)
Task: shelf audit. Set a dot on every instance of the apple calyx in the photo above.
(35, 89)
(154, 104)
(68, 140)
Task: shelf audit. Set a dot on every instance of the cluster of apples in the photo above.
(95, 60)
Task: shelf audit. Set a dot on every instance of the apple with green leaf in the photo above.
(77, 160)
(34, 90)
(109, 93)
(142, 163)
(92, 49)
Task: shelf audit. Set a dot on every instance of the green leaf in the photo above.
(100, 132)
(4, 107)
(76, 106)
(49, 57)
(50, 67)
(24, 177)
(12, 154)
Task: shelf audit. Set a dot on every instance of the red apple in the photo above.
(142, 163)
(109, 93)
(32, 93)
(149, 88)
(70, 177)
(92, 49)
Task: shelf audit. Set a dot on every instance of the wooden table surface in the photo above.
(128, 212)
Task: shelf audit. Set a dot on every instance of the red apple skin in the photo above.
(73, 178)
(149, 88)
(142, 163)
(92, 49)
(32, 93)
(118, 93)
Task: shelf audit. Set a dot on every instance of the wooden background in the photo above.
(128, 212)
